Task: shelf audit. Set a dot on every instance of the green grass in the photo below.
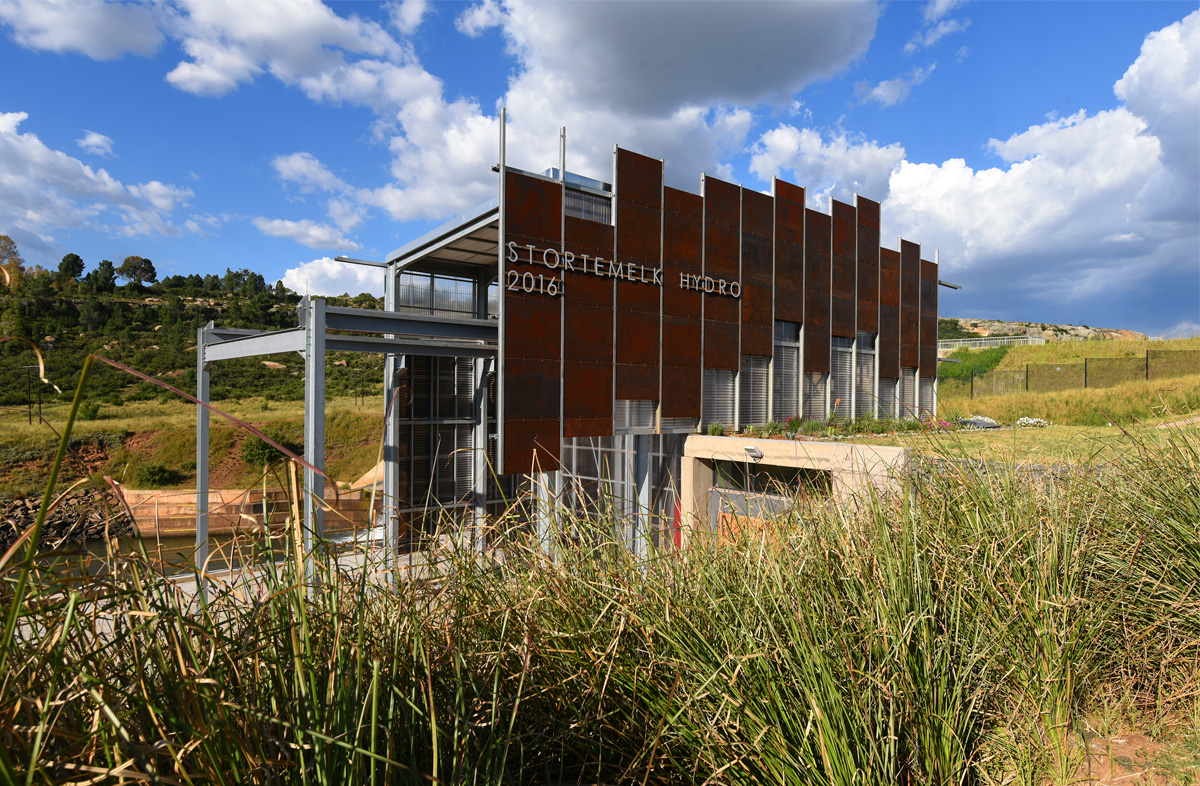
(979, 361)
(1076, 351)
(962, 630)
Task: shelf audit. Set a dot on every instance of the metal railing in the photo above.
(987, 342)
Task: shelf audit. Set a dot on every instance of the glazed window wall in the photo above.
(786, 371)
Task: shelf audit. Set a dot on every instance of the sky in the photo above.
(1050, 152)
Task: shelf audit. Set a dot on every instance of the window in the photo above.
(786, 382)
(752, 382)
(718, 397)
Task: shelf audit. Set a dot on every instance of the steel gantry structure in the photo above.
(323, 329)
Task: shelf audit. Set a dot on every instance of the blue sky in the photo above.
(1050, 151)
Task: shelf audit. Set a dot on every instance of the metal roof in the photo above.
(458, 247)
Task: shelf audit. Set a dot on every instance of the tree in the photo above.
(137, 270)
(71, 267)
(103, 278)
(11, 263)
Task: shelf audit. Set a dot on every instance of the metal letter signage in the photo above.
(598, 266)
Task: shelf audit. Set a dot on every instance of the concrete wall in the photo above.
(853, 469)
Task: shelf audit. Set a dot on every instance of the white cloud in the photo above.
(932, 35)
(306, 171)
(95, 143)
(835, 166)
(893, 91)
(306, 232)
(479, 17)
(43, 190)
(100, 30)
(326, 277)
(164, 197)
(936, 9)
(406, 15)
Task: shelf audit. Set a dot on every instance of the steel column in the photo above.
(392, 364)
(641, 480)
(480, 467)
(314, 432)
(202, 393)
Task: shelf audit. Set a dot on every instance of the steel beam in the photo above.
(364, 320)
(314, 433)
(274, 342)
(392, 363)
(481, 468)
(408, 346)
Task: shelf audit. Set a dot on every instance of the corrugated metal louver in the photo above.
(927, 401)
(753, 381)
(815, 385)
(864, 375)
(718, 397)
(631, 415)
(590, 207)
(887, 398)
(841, 367)
(908, 392)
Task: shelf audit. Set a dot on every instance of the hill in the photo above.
(955, 327)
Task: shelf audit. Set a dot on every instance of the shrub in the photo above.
(716, 429)
(812, 428)
(89, 410)
(154, 474)
(257, 453)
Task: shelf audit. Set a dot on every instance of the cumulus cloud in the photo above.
(102, 31)
(893, 91)
(1088, 213)
(95, 143)
(324, 276)
(306, 232)
(829, 165)
(936, 9)
(406, 15)
(44, 190)
(479, 17)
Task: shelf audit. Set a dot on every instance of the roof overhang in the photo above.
(466, 247)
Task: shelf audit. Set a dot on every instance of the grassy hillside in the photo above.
(1076, 351)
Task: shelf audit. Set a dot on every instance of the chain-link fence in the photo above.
(1091, 373)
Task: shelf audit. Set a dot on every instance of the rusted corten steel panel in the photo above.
(868, 213)
(818, 232)
(910, 292)
(789, 192)
(816, 291)
(683, 242)
(637, 382)
(929, 295)
(757, 213)
(789, 303)
(595, 240)
(533, 207)
(639, 298)
(721, 252)
(841, 317)
(681, 391)
(928, 343)
(722, 203)
(868, 283)
(587, 332)
(789, 220)
(720, 344)
(637, 338)
(587, 427)
(910, 326)
(889, 287)
(889, 259)
(589, 393)
(639, 179)
(756, 257)
(910, 356)
(910, 259)
(868, 313)
(845, 272)
(816, 351)
(638, 231)
(757, 325)
(531, 389)
(888, 357)
(527, 440)
(845, 229)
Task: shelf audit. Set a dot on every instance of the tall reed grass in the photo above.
(961, 630)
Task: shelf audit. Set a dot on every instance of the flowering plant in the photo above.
(1032, 423)
(984, 418)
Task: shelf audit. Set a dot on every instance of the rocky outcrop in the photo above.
(83, 515)
(993, 327)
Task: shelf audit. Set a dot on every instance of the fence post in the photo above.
(1147, 364)
(1026, 377)
(972, 384)
(1085, 360)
